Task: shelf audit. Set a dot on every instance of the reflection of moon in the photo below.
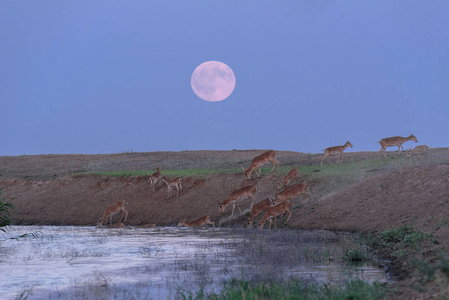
(213, 81)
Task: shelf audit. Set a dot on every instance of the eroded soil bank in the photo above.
(416, 196)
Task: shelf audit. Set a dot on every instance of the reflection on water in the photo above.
(91, 263)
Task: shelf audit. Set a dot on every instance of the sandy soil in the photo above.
(45, 192)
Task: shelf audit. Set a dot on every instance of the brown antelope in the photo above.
(117, 225)
(418, 149)
(293, 191)
(259, 161)
(155, 178)
(394, 141)
(335, 150)
(277, 210)
(172, 183)
(236, 196)
(197, 223)
(258, 208)
(291, 175)
(149, 225)
(118, 207)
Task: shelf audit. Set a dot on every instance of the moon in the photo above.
(213, 81)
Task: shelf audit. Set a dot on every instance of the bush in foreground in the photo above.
(5, 211)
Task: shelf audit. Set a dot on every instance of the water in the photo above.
(162, 263)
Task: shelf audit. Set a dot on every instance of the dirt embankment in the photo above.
(80, 200)
(416, 196)
(44, 193)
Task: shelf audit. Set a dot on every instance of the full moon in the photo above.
(213, 81)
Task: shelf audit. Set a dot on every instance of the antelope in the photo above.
(259, 161)
(293, 191)
(197, 223)
(117, 225)
(335, 150)
(277, 210)
(149, 225)
(172, 183)
(418, 149)
(236, 196)
(118, 207)
(394, 141)
(155, 178)
(255, 211)
(291, 175)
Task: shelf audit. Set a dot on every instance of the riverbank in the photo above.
(360, 195)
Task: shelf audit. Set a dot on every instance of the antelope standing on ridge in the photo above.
(394, 141)
(335, 150)
(418, 149)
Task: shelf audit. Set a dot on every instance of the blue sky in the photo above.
(114, 76)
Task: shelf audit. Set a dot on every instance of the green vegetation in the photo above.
(400, 241)
(344, 169)
(403, 237)
(5, 212)
(294, 289)
(6, 209)
(428, 271)
(354, 255)
(346, 172)
(167, 173)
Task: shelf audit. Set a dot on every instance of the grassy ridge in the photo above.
(349, 168)
(167, 173)
(322, 179)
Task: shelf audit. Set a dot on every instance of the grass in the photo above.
(399, 241)
(315, 171)
(167, 173)
(429, 270)
(294, 289)
(345, 173)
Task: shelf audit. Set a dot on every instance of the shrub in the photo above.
(403, 237)
(5, 211)
(355, 255)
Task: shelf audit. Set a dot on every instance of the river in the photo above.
(60, 262)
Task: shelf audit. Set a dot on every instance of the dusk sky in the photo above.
(115, 76)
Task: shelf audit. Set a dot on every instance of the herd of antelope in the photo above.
(273, 208)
